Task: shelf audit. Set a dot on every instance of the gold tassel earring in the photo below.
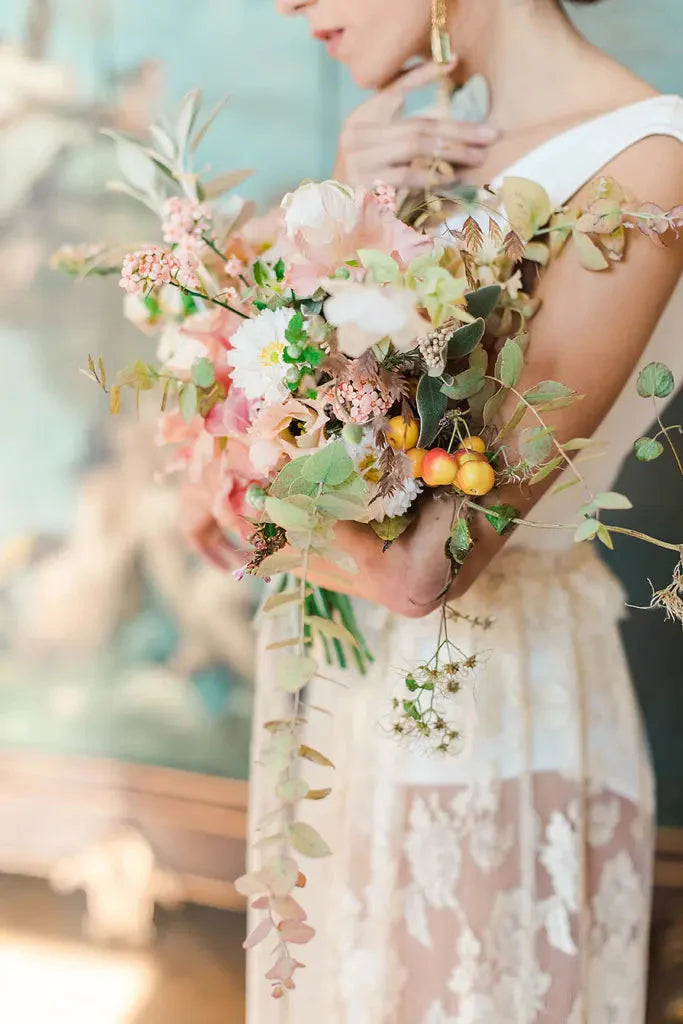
(441, 42)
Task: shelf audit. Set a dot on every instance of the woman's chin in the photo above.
(372, 78)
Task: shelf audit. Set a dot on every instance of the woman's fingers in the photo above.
(419, 176)
(403, 151)
(424, 131)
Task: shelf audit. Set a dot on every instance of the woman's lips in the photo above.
(331, 38)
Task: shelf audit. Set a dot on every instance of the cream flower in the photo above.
(365, 314)
(320, 212)
(177, 348)
(258, 368)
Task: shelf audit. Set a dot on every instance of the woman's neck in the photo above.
(539, 68)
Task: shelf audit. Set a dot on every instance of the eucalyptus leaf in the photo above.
(330, 466)
(431, 405)
(535, 444)
(292, 790)
(510, 363)
(280, 561)
(291, 480)
(547, 391)
(294, 671)
(465, 384)
(483, 301)
(188, 401)
(655, 381)
(589, 254)
(527, 205)
(313, 755)
(612, 500)
(307, 840)
(383, 268)
(278, 602)
(466, 339)
(333, 630)
(586, 530)
(648, 448)
(340, 507)
(285, 513)
(494, 405)
(390, 529)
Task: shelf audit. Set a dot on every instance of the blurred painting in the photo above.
(115, 640)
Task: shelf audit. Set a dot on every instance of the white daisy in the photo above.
(258, 368)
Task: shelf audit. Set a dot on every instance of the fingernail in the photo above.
(488, 132)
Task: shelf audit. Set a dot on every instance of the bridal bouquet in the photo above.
(341, 364)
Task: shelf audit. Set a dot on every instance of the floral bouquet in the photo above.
(337, 363)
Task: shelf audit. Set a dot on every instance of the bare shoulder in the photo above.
(652, 168)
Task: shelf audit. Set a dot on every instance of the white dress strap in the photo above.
(567, 161)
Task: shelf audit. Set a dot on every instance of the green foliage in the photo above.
(527, 206)
(483, 301)
(459, 540)
(655, 381)
(392, 528)
(466, 338)
(187, 399)
(510, 363)
(294, 671)
(307, 840)
(548, 395)
(648, 448)
(329, 466)
(586, 530)
(501, 516)
(464, 385)
(535, 444)
(202, 373)
(382, 268)
(431, 405)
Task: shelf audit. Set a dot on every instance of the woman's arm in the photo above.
(589, 334)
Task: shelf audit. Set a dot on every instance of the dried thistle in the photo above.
(671, 598)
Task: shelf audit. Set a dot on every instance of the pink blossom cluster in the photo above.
(362, 400)
(183, 219)
(385, 195)
(234, 267)
(148, 268)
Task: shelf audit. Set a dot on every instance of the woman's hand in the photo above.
(408, 152)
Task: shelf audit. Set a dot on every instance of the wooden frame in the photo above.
(53, 807)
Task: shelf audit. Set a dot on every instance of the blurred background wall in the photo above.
(114, 642)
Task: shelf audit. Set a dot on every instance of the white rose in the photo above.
(364, 314)
(320, 211)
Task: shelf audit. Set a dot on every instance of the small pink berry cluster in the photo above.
(385, 195)
(362, 400)
(183, 219)
(148, 268)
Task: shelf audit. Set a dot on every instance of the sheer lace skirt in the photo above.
(510, 882)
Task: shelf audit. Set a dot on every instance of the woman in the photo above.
(511, 883)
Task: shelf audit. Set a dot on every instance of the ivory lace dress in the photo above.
(509, 884)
